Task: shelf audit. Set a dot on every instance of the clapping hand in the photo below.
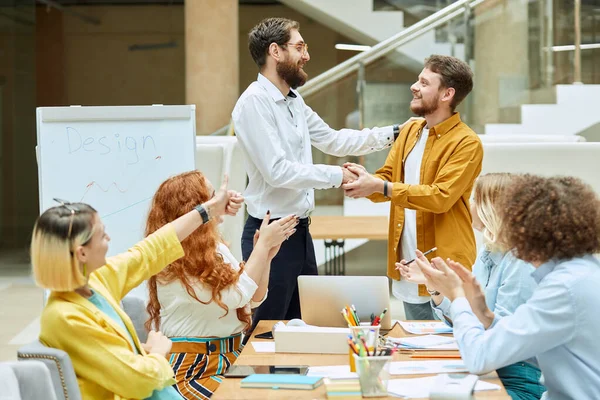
(474, 293)
(442, 278)
(273, 234)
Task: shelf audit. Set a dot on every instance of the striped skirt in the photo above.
(199, 363)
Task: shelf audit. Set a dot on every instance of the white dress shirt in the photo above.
(275, 133)
(403, 289)
(559, 325)
(182, 315)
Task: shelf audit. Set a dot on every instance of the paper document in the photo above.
(430, 342)
(425, 328)
(332, 371)
(427, 367)
(419, 388)
(264, 347)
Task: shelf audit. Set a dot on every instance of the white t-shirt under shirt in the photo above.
(182, 315)
(402, 289)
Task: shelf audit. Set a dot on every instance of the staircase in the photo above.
(575, 111)
(357, 20)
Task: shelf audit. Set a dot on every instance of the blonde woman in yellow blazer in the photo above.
(68, 253)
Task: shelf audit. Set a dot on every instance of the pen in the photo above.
(355, 315)
(346, 317)
(352, 316)
(427, 252)
(382, 314)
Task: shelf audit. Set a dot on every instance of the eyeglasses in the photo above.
(71, 207)
(301, 47)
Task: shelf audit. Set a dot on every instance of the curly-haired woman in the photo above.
(504, 279)
(554, 224)
(202, 301)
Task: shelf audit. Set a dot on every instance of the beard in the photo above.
(292, 73)
(426, 107)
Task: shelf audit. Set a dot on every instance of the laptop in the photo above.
(323, 297)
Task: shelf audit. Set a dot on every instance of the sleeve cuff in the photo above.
(497, 319)
(254, 304)
(444, 306)
(247, 288)
(459, 306)
(337, 177)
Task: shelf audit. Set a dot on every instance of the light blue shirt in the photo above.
(168, 393)
(506, 281)
(559, 325)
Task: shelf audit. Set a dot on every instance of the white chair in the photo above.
(215, 157)
(573, 159)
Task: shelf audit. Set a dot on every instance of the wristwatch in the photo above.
(432, 292)
(203, 213)
(396, 129)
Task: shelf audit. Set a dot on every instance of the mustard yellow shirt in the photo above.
(451, 163)
(106, 365)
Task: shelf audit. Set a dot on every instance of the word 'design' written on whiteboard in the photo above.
(114, 159)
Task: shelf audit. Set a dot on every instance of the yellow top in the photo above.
(451, 163)
(106, 365)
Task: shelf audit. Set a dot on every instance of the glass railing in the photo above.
(518, 51)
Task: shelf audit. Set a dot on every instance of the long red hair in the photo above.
(175, 197)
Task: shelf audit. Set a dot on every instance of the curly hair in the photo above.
(175, 197)
(550, 218)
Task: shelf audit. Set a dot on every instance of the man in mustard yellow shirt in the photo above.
(428, 176)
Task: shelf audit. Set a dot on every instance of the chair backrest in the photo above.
(59, 364)
(135, 308)
(216, 156)
(9, 385)
(34, 380)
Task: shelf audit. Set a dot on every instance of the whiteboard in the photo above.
(113, 158)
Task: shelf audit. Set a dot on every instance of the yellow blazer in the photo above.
(106, 365)
(451, 163)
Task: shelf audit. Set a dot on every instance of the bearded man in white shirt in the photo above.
(275, 130)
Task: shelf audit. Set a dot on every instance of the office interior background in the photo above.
(141, 52)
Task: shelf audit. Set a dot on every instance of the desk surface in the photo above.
(349, 227)
(230, 388)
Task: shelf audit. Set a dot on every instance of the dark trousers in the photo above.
(296, 257)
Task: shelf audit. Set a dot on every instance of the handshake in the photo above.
(357, 182)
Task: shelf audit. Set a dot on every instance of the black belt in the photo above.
(301, 222)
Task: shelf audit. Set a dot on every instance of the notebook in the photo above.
(283, 381)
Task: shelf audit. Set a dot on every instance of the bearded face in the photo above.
(421, 105)
(292, 72)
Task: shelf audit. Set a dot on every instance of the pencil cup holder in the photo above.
(373, 375)
(370, 334)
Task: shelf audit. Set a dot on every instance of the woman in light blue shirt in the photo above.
(506, 280)
(553, 223)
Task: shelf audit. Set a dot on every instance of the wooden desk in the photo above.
(346, 227)
(335, 229)
(231, 389)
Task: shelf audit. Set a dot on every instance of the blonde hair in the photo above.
(55, 265)
(489, 190)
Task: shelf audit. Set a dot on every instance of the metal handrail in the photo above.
(384, 47)
(387, 46)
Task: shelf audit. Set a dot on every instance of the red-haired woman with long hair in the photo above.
(202, 301)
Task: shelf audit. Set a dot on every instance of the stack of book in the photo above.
(343, 388)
